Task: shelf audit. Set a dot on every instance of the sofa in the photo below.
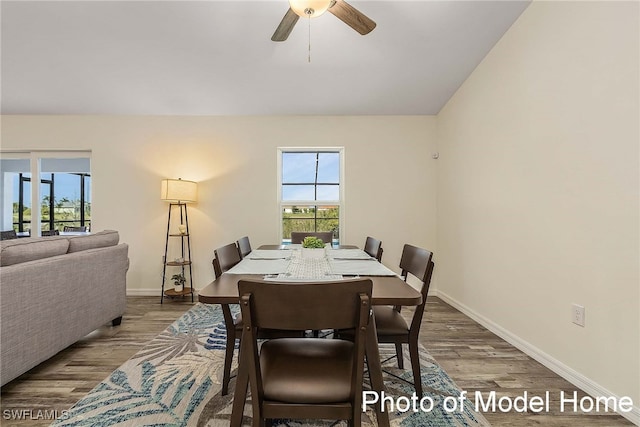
(54, 291)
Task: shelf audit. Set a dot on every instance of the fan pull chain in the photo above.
(309, 58)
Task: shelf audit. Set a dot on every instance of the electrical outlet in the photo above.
(577, 314)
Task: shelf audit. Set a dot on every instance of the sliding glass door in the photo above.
(62, 198)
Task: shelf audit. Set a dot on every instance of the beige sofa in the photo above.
(54, 291)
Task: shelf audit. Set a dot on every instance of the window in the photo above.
(310, 183)
(63, 194)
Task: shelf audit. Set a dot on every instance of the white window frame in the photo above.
(341, 191)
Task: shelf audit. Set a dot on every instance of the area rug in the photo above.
(175, 380)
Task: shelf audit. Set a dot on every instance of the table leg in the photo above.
(375, 370)
(242, 384)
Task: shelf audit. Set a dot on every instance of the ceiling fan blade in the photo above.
(285, 27)
(352, 17)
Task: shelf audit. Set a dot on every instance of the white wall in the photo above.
(390, 178)
(538, 190)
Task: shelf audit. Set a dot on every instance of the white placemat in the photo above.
(260, 266)
(348, 254)
(359, 268)
(269, 254)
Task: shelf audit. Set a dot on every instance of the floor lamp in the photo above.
(178, 193)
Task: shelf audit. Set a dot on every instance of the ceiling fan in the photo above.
(314, 8)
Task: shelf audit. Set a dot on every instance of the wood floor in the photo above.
(475, 358)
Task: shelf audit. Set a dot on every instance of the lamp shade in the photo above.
(178, 190)
(309, 8)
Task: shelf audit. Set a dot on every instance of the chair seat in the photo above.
(307, 370)
(389, 321)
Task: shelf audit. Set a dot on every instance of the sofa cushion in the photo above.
(92, 241)
(29, 249)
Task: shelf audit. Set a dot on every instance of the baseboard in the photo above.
(143, 292)
(148, 292)
(587, 385)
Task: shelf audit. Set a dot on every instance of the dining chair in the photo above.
(45, 233)
(373, 247)
(391, 326)
(298, 236)
(8, 235)
(70, 228)
(305, 378)
(224, 258)
(244, 246)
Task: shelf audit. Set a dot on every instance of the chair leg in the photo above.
(399, 355)
(357, 418)
(230, 347)
(415, 367)
(261, 422)
(228, 358)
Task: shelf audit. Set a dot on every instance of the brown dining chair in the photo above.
(224, 259)
(45, 233)
(373, 247)
(391, 326)
(305, 378)
(8, 235)
(298, 236)
(244, 246)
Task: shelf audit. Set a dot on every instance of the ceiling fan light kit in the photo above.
(309, 8)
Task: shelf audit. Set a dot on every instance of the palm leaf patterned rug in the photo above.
(175, 380)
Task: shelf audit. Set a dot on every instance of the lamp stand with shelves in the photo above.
(178, 193)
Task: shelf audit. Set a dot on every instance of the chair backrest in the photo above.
(300, 306)
(298, 236)
(45, 233)
(225, 257)
(417, 261)
(244, 246)
(373, 247)
(8, 235)
(70, 228)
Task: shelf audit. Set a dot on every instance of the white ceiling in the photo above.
(217, 58)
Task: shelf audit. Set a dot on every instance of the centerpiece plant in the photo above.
(312, 243)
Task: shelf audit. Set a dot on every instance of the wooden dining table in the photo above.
(387, 290)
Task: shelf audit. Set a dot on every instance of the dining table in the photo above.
(292, 263)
